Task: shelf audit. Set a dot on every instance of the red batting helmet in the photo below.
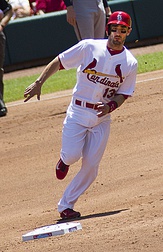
(119, 17)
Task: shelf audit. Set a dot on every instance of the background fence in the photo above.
(35, 40)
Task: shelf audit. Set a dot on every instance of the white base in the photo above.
(52, 230)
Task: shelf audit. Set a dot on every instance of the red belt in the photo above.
(87, 104)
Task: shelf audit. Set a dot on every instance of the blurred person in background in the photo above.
(88, 17)
(33, 6)
(5, 16)
(21, 8)
(47, 6)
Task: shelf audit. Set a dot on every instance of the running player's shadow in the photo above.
(96, 215)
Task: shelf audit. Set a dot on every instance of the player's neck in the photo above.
(114, 51)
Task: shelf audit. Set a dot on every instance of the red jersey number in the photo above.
(109, 93)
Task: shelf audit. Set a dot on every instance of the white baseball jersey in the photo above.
(99, 74)
(99, 77)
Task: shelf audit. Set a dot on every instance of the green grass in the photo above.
(63, 80)
(150, 62)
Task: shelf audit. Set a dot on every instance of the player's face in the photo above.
(118, 34)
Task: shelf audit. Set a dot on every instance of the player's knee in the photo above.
(70, 159)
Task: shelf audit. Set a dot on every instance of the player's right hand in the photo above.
(32, 90)
(102, 109)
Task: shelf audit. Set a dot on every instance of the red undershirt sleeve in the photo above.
(61, 67)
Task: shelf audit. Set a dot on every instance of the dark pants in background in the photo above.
(2, 58)
(3, 109)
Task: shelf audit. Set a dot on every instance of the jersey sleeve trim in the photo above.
(61, 67)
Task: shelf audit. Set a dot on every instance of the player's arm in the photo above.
(71, 16)
(6, 15)
(107, 8)
(116, 102)
(35, 87)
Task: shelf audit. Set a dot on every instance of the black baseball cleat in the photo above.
(3, 109)
(69, 214)
(61, 169)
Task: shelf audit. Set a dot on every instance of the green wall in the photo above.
(36, 40)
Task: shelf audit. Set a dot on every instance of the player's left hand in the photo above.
(32, 90)
(102, 109)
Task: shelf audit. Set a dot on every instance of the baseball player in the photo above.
(106, 76)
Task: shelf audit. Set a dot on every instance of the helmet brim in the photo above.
(119, 23)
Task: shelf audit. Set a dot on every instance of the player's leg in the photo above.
(85, 19)
(95, 144)
(73, 136)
